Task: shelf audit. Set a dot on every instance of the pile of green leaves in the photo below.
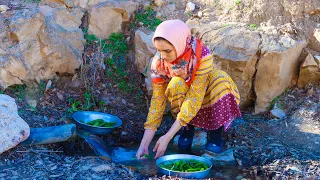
(101, 123)
(184, 165)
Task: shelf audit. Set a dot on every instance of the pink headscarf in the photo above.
(176, 32)
(189, 53)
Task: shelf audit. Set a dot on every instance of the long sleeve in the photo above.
(157, 106)
(196, 92)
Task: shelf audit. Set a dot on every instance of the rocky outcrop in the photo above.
(107, 17)
(276, 68)
(38, 43)
(235, 51)
(261, 62)
(144, 49)
(13, 129)
(304, 15)
(309, 71)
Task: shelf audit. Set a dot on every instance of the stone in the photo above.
(46, 41)
(224, 158)
(16, 69)
(148, 83)
(69, 3)
(4, 8)
(32, 103)
(262, 66)
(159, 2)
(13, 129)
(316, 34)
(2, 52)
(144, 48)
(317, 59)
(199, 139)
(309, 71)
(278, 113)
(81, 3)
(178, 4)
(101, 168)
(276, 68)
(171, 7)
(287, 42)
(190, 7)
(235, 51)
(108, 17)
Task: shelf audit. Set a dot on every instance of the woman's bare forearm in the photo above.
(147, 137)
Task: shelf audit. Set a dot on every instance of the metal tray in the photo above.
(200, 174)
(83, 117)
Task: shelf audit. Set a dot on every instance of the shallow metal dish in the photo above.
(83, 117)
(201, 174)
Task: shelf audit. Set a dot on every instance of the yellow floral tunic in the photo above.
(211, 101)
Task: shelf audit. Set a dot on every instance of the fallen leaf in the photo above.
(60, 96)
(74, 77)
(48, 86)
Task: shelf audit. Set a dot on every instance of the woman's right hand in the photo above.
(142, 151)
(145, 142)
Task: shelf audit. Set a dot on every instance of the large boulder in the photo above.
(309, 71)
(234, 51)
(262, 62)
(13, 129)
(107, 17)
(39, 43)
(278, 64)
(304, 15)
(144, 49)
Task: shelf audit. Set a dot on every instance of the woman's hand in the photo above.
(146, 140)
(161, 146)
(142, 151)
(164, 140)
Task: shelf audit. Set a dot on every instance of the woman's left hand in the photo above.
(161, 146)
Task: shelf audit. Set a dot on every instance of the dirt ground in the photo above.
(264, 147)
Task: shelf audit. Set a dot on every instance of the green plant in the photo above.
(252, 26)
(102, 104)
(109, 73)
(116, 45)
(31, 1)
(87, 101)
(226, 25)
(33, 108)
(75, 105)
(278, 101)
(90, 38)
(20, 91)
(148, 18)
(123, 86)
(42, 86)
(238, 2)
(21, 111)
